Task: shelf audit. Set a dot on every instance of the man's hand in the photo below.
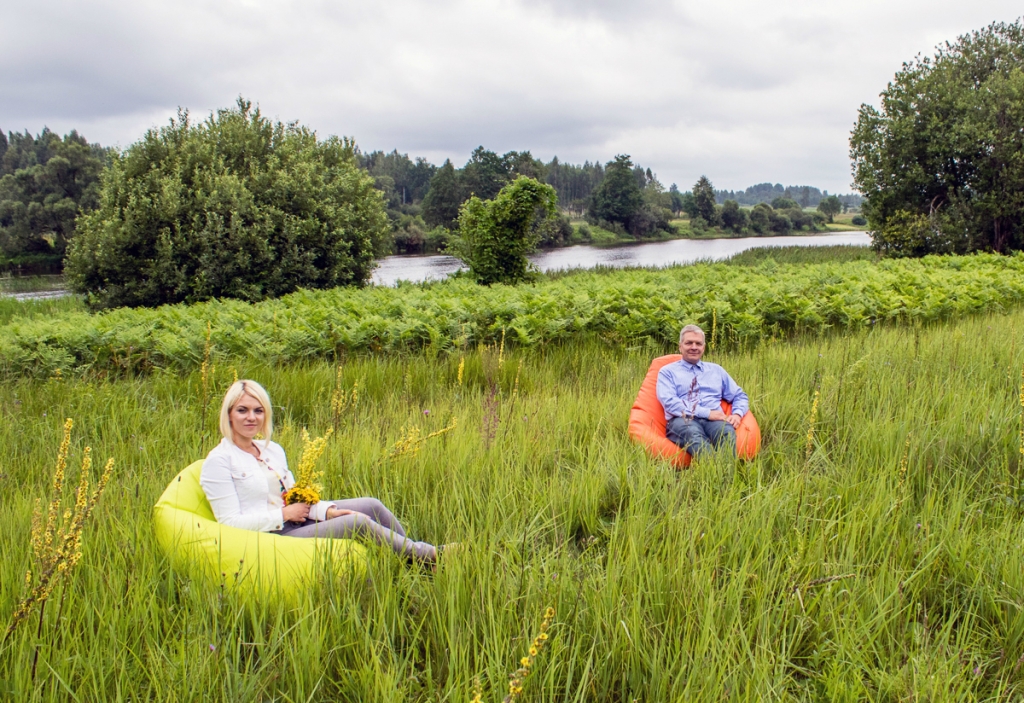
(719, 416)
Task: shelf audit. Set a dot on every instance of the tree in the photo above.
(233, 207)
(443, 198)
(946, 145)
(484, 174)
(45, 183)
(618, 198)
(732, 217)
(496, 235)
(704, 200)
(784, 203)
(760, 218)
(830, 207)
(675, 199)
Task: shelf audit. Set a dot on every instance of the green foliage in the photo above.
(496, 235)
(859, 220)
(948, 144)
(759, 218)
(830, 207)
(441, 203)
(748, 304)
(732, 217)
(909, 234)
(618, 198)
(835, 253)
(884, 567)
(45, 183)
(233, 207)
(784, 203)
(704, 201)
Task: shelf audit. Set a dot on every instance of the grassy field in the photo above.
(871, 552)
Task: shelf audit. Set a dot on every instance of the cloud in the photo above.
(744, 92)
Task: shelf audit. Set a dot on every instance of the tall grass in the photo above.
(869, 567)
(835, 253)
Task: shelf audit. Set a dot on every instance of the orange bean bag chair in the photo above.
(647, 422)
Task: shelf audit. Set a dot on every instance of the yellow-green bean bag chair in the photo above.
(248, 562)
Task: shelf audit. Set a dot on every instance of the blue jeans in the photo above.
(698, 436)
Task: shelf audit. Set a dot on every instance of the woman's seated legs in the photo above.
(364, 522)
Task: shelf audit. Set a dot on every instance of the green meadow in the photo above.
(872, 551)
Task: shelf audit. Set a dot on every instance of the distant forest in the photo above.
(805, 196)
(47, 180)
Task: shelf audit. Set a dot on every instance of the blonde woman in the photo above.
(245, 480)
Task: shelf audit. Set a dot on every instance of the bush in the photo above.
(234, 207)
(732, 216)
(859, 220)
(496, 235)
(554, 231)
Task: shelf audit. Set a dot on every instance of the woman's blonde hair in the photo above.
(236, 391)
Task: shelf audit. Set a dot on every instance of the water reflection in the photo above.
(677, 251)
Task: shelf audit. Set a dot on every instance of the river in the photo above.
(393, 269)
(676, 251)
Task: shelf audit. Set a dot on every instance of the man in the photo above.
(692, 391)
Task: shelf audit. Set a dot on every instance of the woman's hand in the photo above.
(333, 512)
(296, 512)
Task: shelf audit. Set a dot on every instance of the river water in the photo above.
(677, 251)
(416, 269)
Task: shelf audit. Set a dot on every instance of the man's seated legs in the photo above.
(698, 436)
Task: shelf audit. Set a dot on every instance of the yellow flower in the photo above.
(307, 480)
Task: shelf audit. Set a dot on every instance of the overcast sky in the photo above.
(743, 92)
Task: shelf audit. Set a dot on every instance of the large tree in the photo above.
(830, 206)
(942, 161)
(235, 207)
(704, 200)
(45, 183)
(442, 201)
(618, 198)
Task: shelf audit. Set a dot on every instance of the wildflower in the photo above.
(501, 350)
(426, 412)
(410, 444)
(462, 367)
(57, 542)
(515, 680)
(213, 648)
(810, 427)
(307, 479)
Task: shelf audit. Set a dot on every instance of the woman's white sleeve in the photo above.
(318, 511)
(219, 487)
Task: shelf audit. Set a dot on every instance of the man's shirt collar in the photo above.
(687, 365)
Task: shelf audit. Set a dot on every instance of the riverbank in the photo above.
(669, 252)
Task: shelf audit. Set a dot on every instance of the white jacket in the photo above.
(238, 489)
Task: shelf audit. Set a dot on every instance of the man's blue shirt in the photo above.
(694, 390)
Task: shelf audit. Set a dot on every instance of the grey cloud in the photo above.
(744, 92)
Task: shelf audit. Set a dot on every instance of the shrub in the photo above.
(234, 207)
(859, 221)
(496, 235)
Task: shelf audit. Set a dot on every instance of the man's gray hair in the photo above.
(691, 328)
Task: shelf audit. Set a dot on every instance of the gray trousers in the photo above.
(372, 520)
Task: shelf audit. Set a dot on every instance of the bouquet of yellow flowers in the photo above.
(307, 479)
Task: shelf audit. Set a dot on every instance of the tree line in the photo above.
(47, 181)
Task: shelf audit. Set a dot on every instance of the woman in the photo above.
(245, 481)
